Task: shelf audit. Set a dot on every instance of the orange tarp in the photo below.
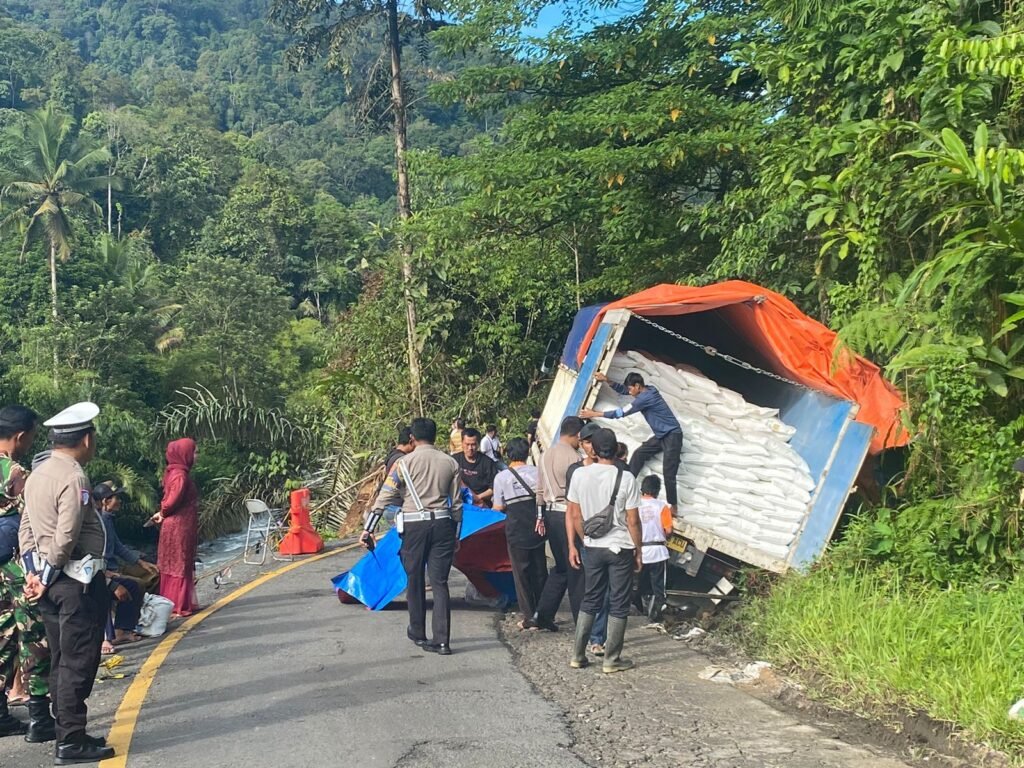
(799, 347)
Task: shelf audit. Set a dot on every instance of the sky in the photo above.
(556, 13)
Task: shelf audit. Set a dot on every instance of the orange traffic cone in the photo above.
(301, 539)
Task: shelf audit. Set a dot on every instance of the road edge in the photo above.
(127, 714)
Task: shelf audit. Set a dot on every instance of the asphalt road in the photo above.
(287, 676)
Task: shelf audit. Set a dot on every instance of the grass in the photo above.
(957, 654)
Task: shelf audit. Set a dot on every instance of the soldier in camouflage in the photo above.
(22, 634)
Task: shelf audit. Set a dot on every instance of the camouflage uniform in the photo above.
(22, 634)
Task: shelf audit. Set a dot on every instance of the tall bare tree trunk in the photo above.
(53, 280)
(53, 304)
(404, 202)
(110, 208)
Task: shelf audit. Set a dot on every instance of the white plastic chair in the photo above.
(267, 528)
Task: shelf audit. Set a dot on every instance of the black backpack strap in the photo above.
(615, 490)
(523, 483)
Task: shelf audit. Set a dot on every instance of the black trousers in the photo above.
(429, 545)
(126, 614)
(564, 577)
(74, 616)
(672, 445)
(611, 573)
(529, 571)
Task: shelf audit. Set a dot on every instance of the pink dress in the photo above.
(179, 532)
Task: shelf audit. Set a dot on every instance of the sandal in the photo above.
(127, 638)
(107, 649)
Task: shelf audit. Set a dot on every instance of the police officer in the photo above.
(426, 485)
(22, 634)
(62, 543)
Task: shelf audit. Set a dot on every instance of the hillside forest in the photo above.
(229, 261)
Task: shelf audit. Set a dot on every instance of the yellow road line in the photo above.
(121, 732)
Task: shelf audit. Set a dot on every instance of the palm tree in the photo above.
(47, 176)
(140, 275)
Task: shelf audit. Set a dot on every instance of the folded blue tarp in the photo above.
(378, 578)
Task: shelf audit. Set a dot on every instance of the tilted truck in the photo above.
(758, 344)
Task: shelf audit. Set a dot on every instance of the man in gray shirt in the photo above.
(515, 491)
(551, 487)
(426, 485)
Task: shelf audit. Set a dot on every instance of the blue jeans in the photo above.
(599, 633)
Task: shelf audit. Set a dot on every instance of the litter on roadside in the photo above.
(689, 636)
(732, 676)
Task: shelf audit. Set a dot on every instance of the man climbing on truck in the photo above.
(668, 435)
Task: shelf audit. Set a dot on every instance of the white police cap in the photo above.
(74, 418)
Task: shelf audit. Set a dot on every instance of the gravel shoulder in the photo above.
(665, 713)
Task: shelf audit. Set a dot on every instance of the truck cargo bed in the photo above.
(827, 436)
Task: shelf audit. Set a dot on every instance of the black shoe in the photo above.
(71, 753)
(11, 726)
(441, 649)
(420, 641)
(545, 624)
(96, 741)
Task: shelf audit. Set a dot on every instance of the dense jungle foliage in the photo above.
(861, 157)
(220, 211)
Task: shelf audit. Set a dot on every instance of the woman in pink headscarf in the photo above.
(179, 528)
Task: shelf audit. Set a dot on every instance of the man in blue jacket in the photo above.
(126, 591)
(668, 435)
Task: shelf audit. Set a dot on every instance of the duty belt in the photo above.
(428, 514)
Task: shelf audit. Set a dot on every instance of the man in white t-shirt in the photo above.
(611, 559)
(656, 526)
(490, 446)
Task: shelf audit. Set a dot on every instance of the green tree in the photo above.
(230, 317)
(48, 175)
(328, 27)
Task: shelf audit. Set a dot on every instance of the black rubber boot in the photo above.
(41, 726)
(613, 661)
(584, 624)
(9, 725)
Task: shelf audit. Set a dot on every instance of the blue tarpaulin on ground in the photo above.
(378, 578)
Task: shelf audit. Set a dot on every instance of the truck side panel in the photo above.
(819, 421)
(832, 494)
(599, 356)
(554, 406)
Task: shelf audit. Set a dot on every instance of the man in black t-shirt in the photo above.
(476, 470)
(403, 448)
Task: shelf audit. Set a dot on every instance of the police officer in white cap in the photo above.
(62, 541)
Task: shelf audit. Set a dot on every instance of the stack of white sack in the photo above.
(738, 475)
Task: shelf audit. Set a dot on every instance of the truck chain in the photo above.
(712, 352)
